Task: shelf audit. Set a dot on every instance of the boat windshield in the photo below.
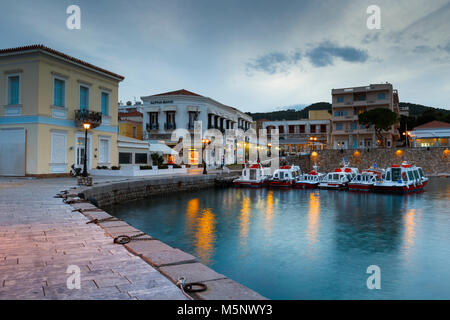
(421, 172)
(416, 175)
(252, 174)
(396, 174)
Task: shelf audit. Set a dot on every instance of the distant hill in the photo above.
(290, 114)
(417, 113)
(416, 110)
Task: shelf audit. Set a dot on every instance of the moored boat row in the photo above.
(395, 179)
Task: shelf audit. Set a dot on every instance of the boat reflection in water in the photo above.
(310, 244)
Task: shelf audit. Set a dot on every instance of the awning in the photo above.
(162, 148)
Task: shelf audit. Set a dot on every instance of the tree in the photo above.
(157, 159)
(381, 118)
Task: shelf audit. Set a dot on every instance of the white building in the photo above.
(298, 136)
(431, 134)
(168, 111)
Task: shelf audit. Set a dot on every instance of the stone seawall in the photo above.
(434, 161)
(119, 192)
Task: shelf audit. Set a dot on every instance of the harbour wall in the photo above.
(137, 189)
(434, 161)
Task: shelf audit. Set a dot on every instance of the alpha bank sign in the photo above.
(161, 102)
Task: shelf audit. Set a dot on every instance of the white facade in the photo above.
(166, 112)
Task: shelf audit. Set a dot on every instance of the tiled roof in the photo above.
(181, 92)
(45, 49)
(130, 114)
(434, 125)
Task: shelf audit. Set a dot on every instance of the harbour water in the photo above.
(310, 244)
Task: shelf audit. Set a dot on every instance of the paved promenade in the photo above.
(40, 237)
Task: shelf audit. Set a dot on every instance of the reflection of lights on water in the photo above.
(206, 235)
(269, 211)
(244, 218)
(191, 213)
(410, 225)
(313, 217)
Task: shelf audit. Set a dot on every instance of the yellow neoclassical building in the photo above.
(40, 91)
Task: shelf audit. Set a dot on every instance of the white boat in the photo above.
(365, 181)
(339, 178)
(285, 176)
(402, 179)
(310, 180)
(254, 176)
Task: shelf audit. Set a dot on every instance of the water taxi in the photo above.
(285, 176)
(310, 180)
(339, 179)
(254, 176)
(402, 179)
(365, 181)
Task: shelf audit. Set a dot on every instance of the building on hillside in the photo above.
(431, 134)
(130, 124)
(319, 115)
(130, 107)
(347, 103)
(180, 109)
(298, 136)
(47, 93)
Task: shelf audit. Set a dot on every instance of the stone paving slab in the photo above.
(192, 272)
(227, 289)
(40, 236)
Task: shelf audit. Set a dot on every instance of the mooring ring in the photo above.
(122, 239)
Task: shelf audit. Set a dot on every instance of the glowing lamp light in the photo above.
(399, 153)
(86, 126)
(314, 154)
(446, 152)
(356, 154)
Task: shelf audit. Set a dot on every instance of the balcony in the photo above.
(152, 127)
(170, 126)
(85, 116)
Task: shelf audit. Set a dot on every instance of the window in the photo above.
(13, 92)
(353, 126)
(340, 99)
(192, 119)
(140, 158)
(338, 126)
(291, 129)
(134, 132)
(84, 98)
(396, 174)
(105, 103)
(170, 120)
(340, 113)
(381, 96)
(103, 151)
(312, 128)
(281, 129)
(125, 157)
(323, 128)
(59, 92)
(153, 117)
(302, 128)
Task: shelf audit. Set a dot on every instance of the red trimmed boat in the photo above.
(310, 180)
(339, 179)
(365, 181)
(285, 176)
(402, 178)
(254, 176)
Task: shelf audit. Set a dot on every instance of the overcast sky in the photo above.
(255, 55)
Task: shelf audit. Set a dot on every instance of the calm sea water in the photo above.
(297, 244)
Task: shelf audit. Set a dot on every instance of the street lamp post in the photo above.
(86, 127)
(205, 142)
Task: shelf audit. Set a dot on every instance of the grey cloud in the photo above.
(275, 62)
(371, 37)
(445, 47)
(326, 52)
